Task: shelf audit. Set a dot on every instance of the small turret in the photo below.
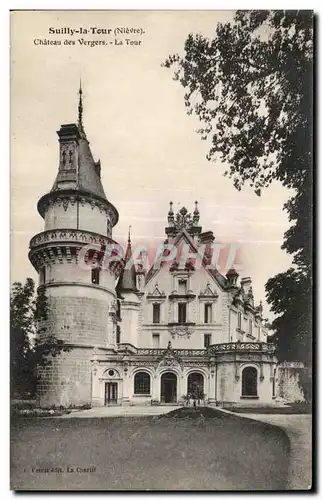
(127, 280)
(129, 297)
(196, 215)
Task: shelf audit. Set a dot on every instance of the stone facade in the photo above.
(134, 335)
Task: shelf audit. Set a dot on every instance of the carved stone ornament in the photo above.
(181, 331)
(169, 358)
(156, 293)
(65, 203)
(183, 219)
(208, 292)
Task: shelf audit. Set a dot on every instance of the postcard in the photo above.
(161, 250)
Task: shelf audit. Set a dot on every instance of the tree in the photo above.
(22, 329)
(32, 345)
(251, 88)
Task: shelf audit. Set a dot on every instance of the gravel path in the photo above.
(299, 431)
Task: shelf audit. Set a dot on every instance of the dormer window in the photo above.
(182, 287)
(156, 313)
(207, 313)
(181, 313)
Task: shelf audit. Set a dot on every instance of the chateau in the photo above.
(135, 335)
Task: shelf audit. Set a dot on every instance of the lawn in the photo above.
(212, 452)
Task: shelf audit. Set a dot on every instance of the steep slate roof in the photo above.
(89, 179)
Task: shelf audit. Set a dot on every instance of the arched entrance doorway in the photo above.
(195, 385)
(168, 388)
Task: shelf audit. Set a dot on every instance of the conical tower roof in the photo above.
(127, 280)
(78, 172)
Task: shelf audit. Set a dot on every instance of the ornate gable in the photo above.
(170, 358)
(184, 228)
(156, 294)
(183, 220)
(208, 293)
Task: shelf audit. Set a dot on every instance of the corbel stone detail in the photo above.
(65, 201)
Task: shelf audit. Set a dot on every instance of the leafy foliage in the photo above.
(251, 88)
(32, 345)
(22, 330)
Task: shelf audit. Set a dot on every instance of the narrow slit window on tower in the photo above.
(118, 334)
(43, 275)
(207, 313)
(156, 313)
(250, 326)
(182, 313)
(95, 276)
(118, 309)
(239, 320)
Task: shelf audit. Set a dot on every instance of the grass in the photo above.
(172, 452)
(291, 409)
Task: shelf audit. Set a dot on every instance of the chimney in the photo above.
(245, 284)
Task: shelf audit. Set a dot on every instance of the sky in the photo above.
(136, 122)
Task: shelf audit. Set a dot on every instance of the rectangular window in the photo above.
(207, 313)
(250, 326)
(156, 313)
(182, 287)
(259, 331)
(95, 276)
(239, 320)
(182, 313)
(118, 335)
(207, 340)
(155, 340)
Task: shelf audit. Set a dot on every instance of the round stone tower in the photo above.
(81, 297)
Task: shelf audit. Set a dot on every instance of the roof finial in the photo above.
(170, 216)
(80, 108)
(129, 240)
(196, 215)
